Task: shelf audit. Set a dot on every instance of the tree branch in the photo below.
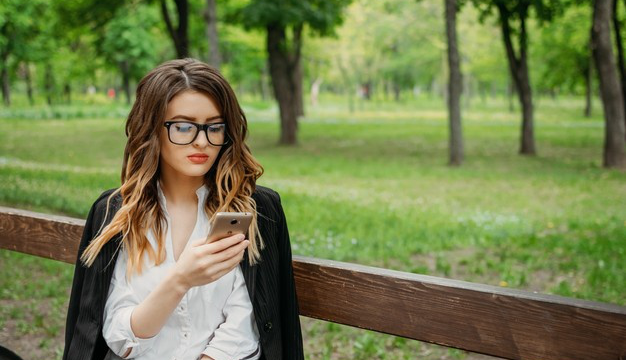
(168, 23)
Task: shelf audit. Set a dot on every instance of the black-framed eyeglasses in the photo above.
(185, 132)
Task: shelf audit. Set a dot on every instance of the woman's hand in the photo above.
(201, 263)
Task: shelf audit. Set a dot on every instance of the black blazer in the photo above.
(270, 285)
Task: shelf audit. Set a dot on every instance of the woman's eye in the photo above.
(216, 129)
(183, 128)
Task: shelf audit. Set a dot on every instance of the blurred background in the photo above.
(478, 140)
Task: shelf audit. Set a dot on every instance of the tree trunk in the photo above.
(510, 91)
(29, 83)
(6, 90)
(179, 35)
(210, 18)
(125, 69)
(262, 85)
(315, 92)
(519, 71)
(454, 86)
(4, 62)
(4, 78)
(589, 82)
(282, 65)
(367, 90)
(617, 24)
(297, 73)
(395, 89)
(48, 83)
(67, 91)
(610, 89)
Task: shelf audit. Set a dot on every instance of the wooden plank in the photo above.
(501, 322)
(48, 236)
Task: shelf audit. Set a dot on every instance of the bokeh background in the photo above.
(393, 130)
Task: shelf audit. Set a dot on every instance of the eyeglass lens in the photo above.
(184, 133)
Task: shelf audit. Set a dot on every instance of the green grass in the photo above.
(370, 187)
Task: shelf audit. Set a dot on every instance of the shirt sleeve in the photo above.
(119, 306)
(237, 337)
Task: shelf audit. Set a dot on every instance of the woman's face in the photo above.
(196, 158)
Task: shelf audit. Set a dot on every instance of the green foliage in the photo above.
(131, 37)
(544, 10)
(20, 26)
(483, 60)
(322, 16)
(393, 46)
(370, 49)
(244, 56)
(94, 14)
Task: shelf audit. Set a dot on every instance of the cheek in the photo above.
(167, 150)
(214, 154)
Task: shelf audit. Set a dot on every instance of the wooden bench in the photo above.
(501, 322)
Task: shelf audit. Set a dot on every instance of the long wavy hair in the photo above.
(231, 180)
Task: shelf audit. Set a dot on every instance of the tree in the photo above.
(564, 44)
(379, 56)
(129, 43)
(284, 23)
(589, 81)
(210, 18)
(454, 86)
(610, 89)
(511, 12)
(18, 25)
(245, 59)
(617, 25)
(179, 34)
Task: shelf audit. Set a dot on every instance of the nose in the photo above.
(202, 139)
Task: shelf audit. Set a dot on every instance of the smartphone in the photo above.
(226, 224)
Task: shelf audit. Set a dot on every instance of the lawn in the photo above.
(370, 187)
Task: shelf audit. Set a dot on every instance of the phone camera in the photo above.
(234, 221)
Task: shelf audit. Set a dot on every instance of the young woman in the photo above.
(147, 284)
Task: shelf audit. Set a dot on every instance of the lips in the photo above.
(198, 158)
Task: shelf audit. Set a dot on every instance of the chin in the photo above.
(191, 170)
(197, 172)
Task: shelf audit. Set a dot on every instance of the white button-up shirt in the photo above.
(214, 319)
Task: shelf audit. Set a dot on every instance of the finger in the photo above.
(227, 265)
(223, 237)
(232, 251)
(224, 243)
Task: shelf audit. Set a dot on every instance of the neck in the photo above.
(180, 189)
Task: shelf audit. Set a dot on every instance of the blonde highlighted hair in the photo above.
(231, 180)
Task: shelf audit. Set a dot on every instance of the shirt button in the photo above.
(185, 334)
(268, 326)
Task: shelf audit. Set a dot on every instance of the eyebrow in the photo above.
(191, 118)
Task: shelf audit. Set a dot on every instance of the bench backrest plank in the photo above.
(501, 322)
